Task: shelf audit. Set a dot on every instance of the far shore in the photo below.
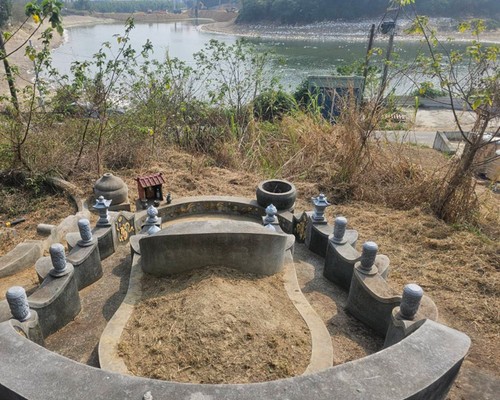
(332, 31)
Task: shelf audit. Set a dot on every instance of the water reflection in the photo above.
(293, 60)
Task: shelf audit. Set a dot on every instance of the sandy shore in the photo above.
(23, 63)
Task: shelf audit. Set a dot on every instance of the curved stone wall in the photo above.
(241, 245)
(421, 366)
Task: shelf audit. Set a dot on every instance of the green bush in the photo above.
(427, 89)
(273, 104)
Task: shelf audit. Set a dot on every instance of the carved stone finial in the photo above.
(339, 230)
(152, 215)
(320, 204)
(58, 258)
(102, 206)
(368, 255)
(412, 295)
(18, 303)
(150, 225)
(271, 212)
(85, 232)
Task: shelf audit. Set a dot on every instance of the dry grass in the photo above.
(34, 202)
(457, 265)
(458, 268)
(215, 326)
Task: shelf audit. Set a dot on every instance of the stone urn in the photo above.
(111, 188)
(280, 193)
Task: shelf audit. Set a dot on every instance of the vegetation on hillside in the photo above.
(113, 109)
(303, 11)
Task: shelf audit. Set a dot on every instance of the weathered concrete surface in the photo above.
(422, 366)
(371, 300)
(321, 343)
(87, 264)
(339, 263)
(399, 328)
(21, 257)
(317, 236)
(56, 301)
(110, 338)
(241, 245)
(222, 205)
(105, 241)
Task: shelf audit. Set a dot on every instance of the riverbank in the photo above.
(335, 30)
(21, 39)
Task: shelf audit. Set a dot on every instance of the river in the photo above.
(292, 60)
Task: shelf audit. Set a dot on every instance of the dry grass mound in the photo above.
(215, 326)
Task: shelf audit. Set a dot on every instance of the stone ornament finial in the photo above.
(150, 226)
(85, 232)
(339, 230)
(271, 212)
(18, 303)
(58, 257)
(152, 215)
(412, 295)
(320, 205)
(102, 206)
(368, 255)
(147, 396)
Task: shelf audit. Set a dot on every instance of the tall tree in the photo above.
(5, 10)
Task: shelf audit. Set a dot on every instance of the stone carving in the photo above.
(320, 204)
(112, 188)
(102, 206)
(368, 255)
(412, 295)
(58, 258)
(18, 303)
(339, 230)
(270, 217)
(85, 233)
(124, 228)
(151, 224)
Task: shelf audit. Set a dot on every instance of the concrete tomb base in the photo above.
(56, 301)
(246, 246)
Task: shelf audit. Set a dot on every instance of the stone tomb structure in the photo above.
(420, 360)
(241, 245)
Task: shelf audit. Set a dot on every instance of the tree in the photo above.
(470, 77)
(5, 10)
(39, 12)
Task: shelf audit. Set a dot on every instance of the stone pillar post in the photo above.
(412, 295)
(339, 230)
(58, 258)
(85, 233)
(18, 303)
(368, 255)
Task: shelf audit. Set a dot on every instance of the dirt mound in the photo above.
(216, 326)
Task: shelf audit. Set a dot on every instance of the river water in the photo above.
(292, 60)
